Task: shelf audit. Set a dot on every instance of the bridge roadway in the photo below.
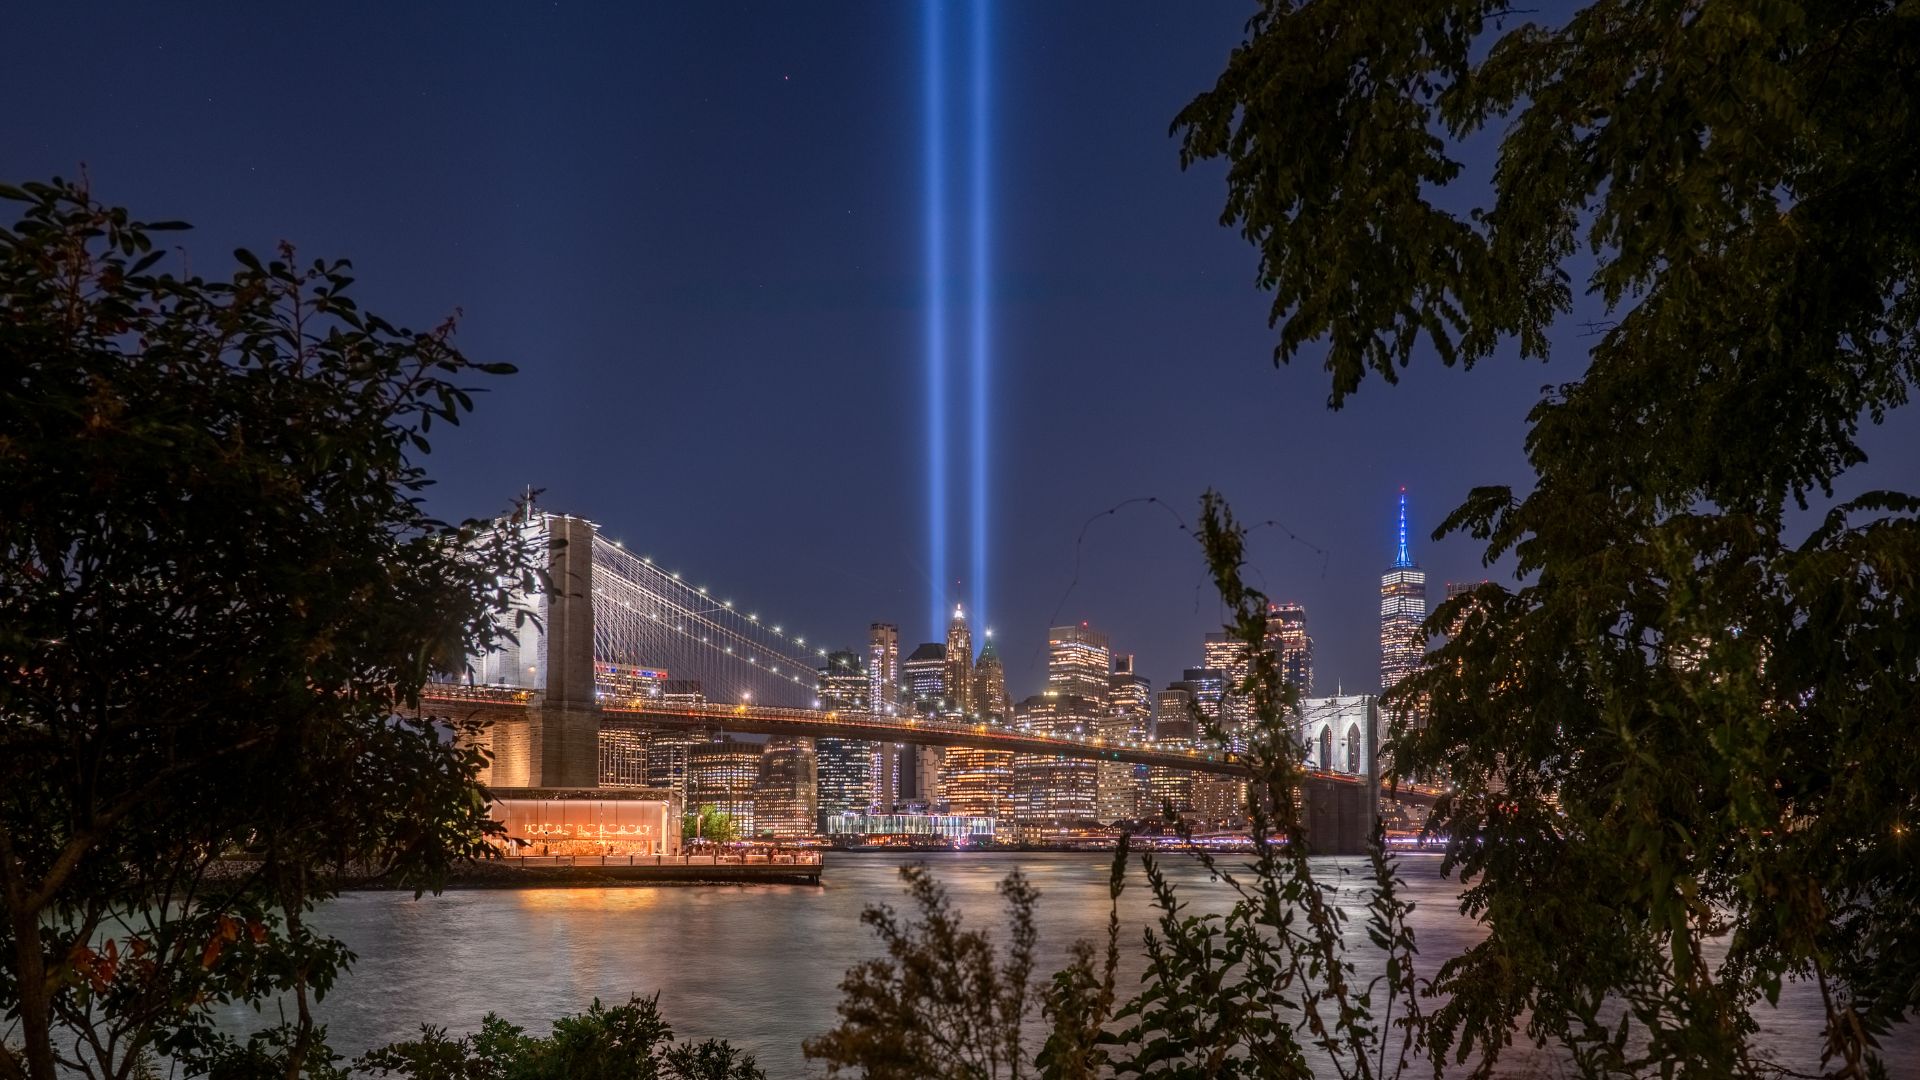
(489, 702)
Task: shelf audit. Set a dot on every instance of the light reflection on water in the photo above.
(761, 965)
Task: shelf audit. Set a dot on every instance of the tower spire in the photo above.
(1403, 558)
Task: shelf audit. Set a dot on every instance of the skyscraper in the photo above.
(623, 754)
(1078, 663)
(958, 680)
(1171, 789)
(923, 680)
(844, 768)
(785, 794)
(1403, 607)
(990, 684)
(722, 774)
(1052, 792)
(883, 666)
(1224, 653)
(1291, 644)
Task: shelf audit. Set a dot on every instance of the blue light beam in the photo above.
(982, 302)
(936, 165)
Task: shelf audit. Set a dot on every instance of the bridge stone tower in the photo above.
(556, 743)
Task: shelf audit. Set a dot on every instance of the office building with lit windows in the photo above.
(844, 768)
(883, 666)
(1051, 792)
(1078, 663)
(978, 783)
(623, 754)
(785, 793)
(667, 758)
(722, 774)
(1403, 608)
(957, 681)
(923, 680)
(1292, 646)
(990, 684)
(1173, 729)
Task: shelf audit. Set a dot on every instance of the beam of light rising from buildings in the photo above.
(982, 174)
(936, 195)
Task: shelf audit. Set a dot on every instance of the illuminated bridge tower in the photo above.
(1403, 608)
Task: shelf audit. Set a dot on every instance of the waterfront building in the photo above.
(957, 682)
(623, 754)
(667, 758)
(1215, 800)
(844, 769)
(978, 783)
(1173, 729)
(785, 793)
(1078, 663)
(910, 827)
(722, 774)
(1122, 792)
(883, 667)
(585, 821)
(1051, 792)
(1403, 608)
(1291, 644)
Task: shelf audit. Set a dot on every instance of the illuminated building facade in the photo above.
(844, 768)
(910, 827)
(667, 758)
(722, 774)
(623, 754)
(990, 685)
(1222, 653)
(1122, 792)
(1050, 791)
(1078, 663)
(956, 682)
(883, 666)
(623, 683)
(924, 680)
(585, 821)
(1173, 729)
(785, 794)
(978, 783)
(1291, 644)
(1403, 607)
(1213, 800)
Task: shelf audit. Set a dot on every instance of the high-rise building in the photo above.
(1052, 792)
(785, 794)
(1215, 800)
(843, 683)
(978, 783)
(623, 754)
(722, 774)
(1078, 663)
(1403, 608)
(1291, 644)
(1224, 653)
(957, 680)
(1122, 788)
(923, 678)
(883, 666)
(1130, 697)
(1173, 729)
(667, 758)
(844, 768)
(990, 685)
(1456, 589)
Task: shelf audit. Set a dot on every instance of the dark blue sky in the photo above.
(698, 232)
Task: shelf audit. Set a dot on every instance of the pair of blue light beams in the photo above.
(979, 353)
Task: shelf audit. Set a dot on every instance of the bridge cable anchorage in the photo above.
(647, 616)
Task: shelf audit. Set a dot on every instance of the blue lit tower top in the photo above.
(1404, 559)
(1403, 608)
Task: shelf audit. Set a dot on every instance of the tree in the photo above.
(1690, 724)
(710, 824)
(625, 1042)
(219, 600)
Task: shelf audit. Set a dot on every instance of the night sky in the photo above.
(699, 233)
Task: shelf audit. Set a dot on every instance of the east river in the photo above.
(761, 965)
